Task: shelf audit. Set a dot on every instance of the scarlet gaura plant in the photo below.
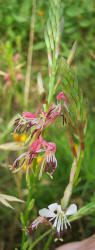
(69, 107)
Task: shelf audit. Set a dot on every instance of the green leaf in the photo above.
(31, 205)
(9, 20)
(19, 18)
(22, 218)
(26, 244)
(74, 11)
(85, 23)
(39, 46)
(71, 30)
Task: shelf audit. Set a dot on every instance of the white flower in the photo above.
(55, 212)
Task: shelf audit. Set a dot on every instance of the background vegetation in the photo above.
(15, 18)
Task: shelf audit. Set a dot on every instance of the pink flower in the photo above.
(54, 112)
(37, 121)
(51, 146)
(6, 76)
(16, 57)
(19, 77)
(61, 96)
(25, 122)
(33, 226)
(31, 115)
(35, 146)
(48, 162)
(47, 146)
(17, 161)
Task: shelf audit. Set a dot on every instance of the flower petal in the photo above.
(55, 222)
(53, 207)
(46, 213)
(72, 209)
(59, 224)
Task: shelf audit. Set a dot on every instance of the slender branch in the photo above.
(72, 53)
(75, 169)
(40, 238)
(26, 216)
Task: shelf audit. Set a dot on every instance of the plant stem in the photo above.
(78, 167)
(48, 242)
(30, 54)
(26, 214)
(75, 170)
(39, 239)
(52, 81)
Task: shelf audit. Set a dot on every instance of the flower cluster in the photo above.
(35, 121)
(35, 124)
(48, 159)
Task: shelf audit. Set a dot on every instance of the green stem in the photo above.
(51, 87)
(52, 80)
(39, 239)
(26, 215)
(48, 242)
(78, 167)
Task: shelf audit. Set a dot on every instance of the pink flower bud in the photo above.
(61, 96)
(6, 76)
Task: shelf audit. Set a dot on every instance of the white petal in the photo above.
(51, 218)
(55, 222)
(50, 158)
(59, 209)
(53, 207)
(46, 213)
(59, 224)
(62, 220)
(53, 158)
(66, 222)
(47, 158)
(72, 209)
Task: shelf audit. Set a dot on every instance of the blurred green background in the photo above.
(15, 18)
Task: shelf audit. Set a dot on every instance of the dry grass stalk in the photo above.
(30, 54)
